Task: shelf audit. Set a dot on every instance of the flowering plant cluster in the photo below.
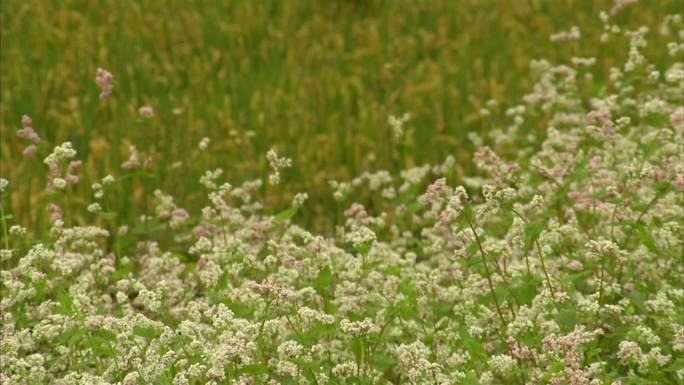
(559, 263)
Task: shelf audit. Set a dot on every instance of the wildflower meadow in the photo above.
(329, 203)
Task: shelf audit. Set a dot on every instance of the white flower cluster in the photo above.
(557, 262)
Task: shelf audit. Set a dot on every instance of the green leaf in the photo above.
(149, 333)
(647, 239)
(71, 335)
(104, 334)
(473, 346)
(567, 318)
(524, 288)
(470, 380)
(323, 280)
(284, 215)
(532, 231)
(66, 303)
(466, 214)
(638, 300)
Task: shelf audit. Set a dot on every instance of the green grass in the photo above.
(314, 79)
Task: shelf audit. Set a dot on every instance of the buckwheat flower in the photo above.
(502, 364)
(575, 265)
(60, 153)
(583, 62)
(276, 164)
(204, 143)
(55, 213)
(629, 352)
(674, 75)
(26, 121)
(646, 335)
(3, 184)
(654, 106)
(357, 328)
(604, 247)
(30, 150)
(290, 350)
(181, 378)
(27, 132)
(131, 378)
(299, 199)
(433, 191)
(209, 178)
(133, 162)
(572, 34)
(94, 208)
(149, 299)
(59, 183)
(619, 4)
(537, 203)
(345, 369)
(17, 230)
(71, 179)
(389, 193)
(677, 118)
(658, 357)
(103, 79)
(360, 236)
(146, 112)
(397, 124)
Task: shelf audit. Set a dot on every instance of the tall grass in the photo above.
(317, 79)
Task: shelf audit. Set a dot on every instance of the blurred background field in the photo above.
(316, 80)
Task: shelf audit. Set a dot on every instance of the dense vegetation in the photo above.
(531, 235)
(314, 79)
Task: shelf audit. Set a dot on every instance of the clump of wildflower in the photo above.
(572, 34)
(204, 143)
(619, 4)
(27, 132)
(60, 154)
(502, 364)
(433, 191)
(299, 199)
(17, 231)
(290, 350)
(94, 208)
(146, 112)
(397, 124)
(357, 328)
(104, 79)
(133, 161)
(276, 164)
(209, 178)
(360, 236)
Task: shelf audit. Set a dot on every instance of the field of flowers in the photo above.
(536, 239)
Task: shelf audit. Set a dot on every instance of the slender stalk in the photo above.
(546, 275)
(600, 298)
(488, 273)
(541, 260)
(5, 234)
